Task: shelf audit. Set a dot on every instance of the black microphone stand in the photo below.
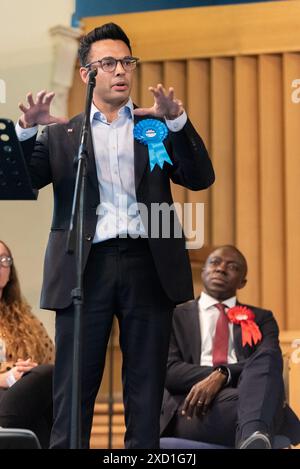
(111, 389)
(75, 244)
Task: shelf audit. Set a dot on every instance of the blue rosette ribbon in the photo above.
(152, 132)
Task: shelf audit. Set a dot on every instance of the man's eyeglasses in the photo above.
(109, 64)
(6, 261)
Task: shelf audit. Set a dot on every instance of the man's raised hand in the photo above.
(38, 111)
(165, 104)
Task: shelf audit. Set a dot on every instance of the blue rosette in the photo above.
(152, 132)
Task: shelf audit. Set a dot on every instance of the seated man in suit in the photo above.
(224, 376)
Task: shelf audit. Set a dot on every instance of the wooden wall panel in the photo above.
(247, 173)
(198, 106)
(222, 149)
(150, 74)
(234, 75)
(236, 86)
(135, 92)
(291, 71)
(77, 94)
(175, 75)
(211, 31)
(272, 243)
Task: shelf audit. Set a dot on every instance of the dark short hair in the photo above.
(106, 31)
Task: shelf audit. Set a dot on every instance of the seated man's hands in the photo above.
(38, 111)
(202, 394)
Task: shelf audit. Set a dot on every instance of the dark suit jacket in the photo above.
(50, 159)
(184, 370)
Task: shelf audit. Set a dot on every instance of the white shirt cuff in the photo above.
(10, 379)
(177, 124)
(25, 134)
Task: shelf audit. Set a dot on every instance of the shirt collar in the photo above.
(126, 110)
(206, 301)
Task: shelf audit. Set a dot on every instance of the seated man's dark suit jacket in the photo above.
(50, 159)
(184, 370)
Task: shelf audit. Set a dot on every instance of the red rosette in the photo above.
(245, 317)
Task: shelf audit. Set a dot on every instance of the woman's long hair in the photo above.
(24, 336)
(12, 291)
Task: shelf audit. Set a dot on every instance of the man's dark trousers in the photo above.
(120, 278)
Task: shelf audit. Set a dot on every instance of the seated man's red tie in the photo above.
(220, 342)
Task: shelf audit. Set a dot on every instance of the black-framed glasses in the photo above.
(6, 261)
(109, 64)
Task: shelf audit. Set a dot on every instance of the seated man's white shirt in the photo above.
(208, 317)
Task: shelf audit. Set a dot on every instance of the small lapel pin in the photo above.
(70, 130)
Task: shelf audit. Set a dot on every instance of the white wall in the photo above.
(26, 57)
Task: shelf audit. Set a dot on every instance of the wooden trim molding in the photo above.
(229, 30)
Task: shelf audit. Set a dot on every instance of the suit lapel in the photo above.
(237, 337)
(141, 157)
(91, 169)
(73, 130)
(195, 333)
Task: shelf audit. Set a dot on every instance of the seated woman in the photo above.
(26, 357)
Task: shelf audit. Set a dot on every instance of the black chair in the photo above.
(17, 438)
(280, 442)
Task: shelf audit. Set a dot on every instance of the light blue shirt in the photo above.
(114, 155)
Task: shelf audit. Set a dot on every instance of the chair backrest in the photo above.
(17, 438)
(279, 442)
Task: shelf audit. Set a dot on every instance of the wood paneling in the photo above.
(242, 108)
(136, 88)
(234, 74)
(210, 31)
(175, 75)
(272, 240)
(290, 349)
(222, 149)
(150, 75)
(198, 104)
(77, 94)
(291, 70)
(247, 195)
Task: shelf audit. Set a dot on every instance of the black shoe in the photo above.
(257, 440)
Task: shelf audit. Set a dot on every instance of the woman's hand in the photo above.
(10, 377)
(22, 366)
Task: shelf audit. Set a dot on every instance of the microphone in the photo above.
(93, 74)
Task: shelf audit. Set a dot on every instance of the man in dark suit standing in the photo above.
(224, 375)
(128, 271)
